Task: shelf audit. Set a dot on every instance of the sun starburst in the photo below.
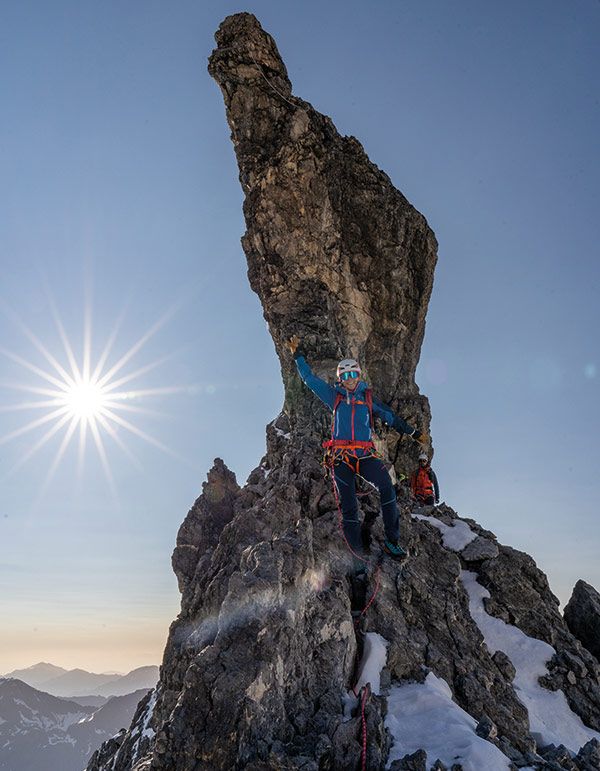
(75, 398)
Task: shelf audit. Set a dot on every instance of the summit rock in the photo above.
(259, 665)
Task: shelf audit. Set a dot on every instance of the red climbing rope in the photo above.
(366, 688)
(377, 585)
(363, 701)
(351, 550)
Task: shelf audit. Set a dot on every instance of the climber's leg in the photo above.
(345, 483)
(373, 470)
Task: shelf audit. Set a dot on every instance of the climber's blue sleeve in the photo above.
(323, 390)
(385, 413)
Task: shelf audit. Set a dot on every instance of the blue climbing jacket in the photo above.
(352, 420)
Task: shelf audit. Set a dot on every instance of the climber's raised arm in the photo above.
(320, 388)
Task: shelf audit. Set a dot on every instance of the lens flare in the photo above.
(78, 398)
(85, 400)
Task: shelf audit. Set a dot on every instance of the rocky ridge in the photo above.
(260, 660)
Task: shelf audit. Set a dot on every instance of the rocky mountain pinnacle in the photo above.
(260, 664)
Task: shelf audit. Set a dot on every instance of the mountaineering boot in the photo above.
(394, 550)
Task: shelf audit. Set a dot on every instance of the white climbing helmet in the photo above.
(423, 456)
(348, 365)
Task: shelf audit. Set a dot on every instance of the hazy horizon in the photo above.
(122, 218)
(51, 663)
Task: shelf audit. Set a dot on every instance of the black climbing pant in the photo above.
(373, 470)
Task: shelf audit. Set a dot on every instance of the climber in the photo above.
(424, 484)
(351, 450)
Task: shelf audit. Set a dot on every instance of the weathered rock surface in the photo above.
(480, 549)
(204, 524)
(582, 614)
(520, 595)
(258, 662)
(336, 254)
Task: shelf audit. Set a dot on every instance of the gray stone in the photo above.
(415, 762)
(505, 665)
(559, 757)
(480, 549)
(204, 523)
(520, 595)
(487, 729)
(588, 757)
(582, 615)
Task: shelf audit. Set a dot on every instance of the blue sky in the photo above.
(120, 182)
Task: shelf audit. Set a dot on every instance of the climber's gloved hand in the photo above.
(420, 436)
(293, 344)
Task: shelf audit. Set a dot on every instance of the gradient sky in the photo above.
(119, 181)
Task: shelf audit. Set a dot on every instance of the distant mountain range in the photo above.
(79, 683)
(41, 732)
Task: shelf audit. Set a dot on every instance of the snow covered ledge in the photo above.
(551, 719)
(454, 537)
(424, 716)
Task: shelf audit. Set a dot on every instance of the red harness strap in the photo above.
(345, 450)
(349, 444)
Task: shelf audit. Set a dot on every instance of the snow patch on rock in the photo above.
(424, 716)
(373, 661)
(551, 719)
(455, 537)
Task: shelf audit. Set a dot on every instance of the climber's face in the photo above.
(350, 383)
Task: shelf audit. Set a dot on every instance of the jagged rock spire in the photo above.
(335, 252)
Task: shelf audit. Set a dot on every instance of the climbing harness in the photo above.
(342, 450)
(337, 450)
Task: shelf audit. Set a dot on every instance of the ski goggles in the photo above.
(352, 375)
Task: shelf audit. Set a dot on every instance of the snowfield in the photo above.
(424, 716)
(551, 719)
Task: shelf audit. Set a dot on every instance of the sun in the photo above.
(85, 400)
(76, 396)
